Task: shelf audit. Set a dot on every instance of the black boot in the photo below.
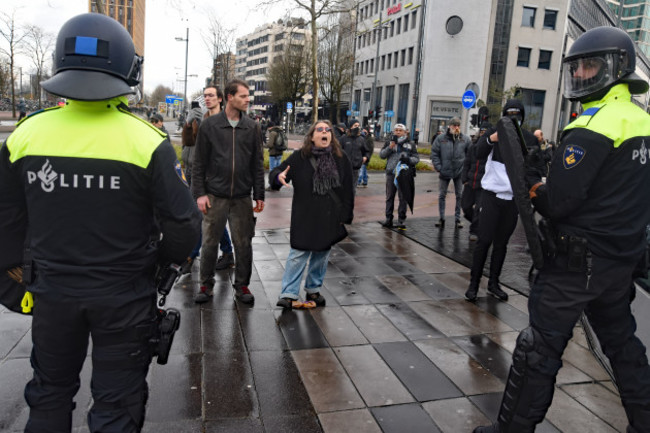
(495, 290)
(440, 223)
(472, 290)
(388, 223)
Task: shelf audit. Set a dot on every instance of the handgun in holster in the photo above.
(167, 320)
(547, 237)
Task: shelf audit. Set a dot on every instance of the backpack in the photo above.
(281, 141)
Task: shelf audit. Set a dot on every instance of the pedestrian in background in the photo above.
(276, 146)
(448, 155)
(323, 201)
(354, 146)
(228, 167)
(94, 245)
(22, 109)
(395, 151)
(362, 180)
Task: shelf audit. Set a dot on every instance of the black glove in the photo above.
(404, 157)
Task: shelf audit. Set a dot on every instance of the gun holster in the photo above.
(167, 323)
(547, 237)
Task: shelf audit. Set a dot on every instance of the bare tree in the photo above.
(5, 76)
(39, 44)
(158, 94)
(13, 37)
(289, 74)
(336, 53)
(317, 9)
(219, 41)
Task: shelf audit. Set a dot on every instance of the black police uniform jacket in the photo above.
(598, 179)
(316, 220)
(97, 188)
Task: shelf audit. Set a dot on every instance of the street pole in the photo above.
(21, 82)
(187, 43)
(373, 94)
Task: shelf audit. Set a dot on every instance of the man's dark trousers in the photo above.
(391, 190)
(238, 212)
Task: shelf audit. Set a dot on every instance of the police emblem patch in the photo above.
(572, 156)
(180, 173)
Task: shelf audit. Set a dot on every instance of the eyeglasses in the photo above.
(323, 129)
(209, 95)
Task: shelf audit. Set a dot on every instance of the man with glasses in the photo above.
(228, 165)
(448, 155)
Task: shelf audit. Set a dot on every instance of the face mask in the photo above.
(401, 139)
(354, 131)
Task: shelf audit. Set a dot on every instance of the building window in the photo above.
(372, 66)
(383, 62)
(550, 18)
(544, 59)
(395, 58)
(402, 105)
(403, 59)
(389, 60)
(390, 98)
(399, 25)
(406, 23)
(414, 15)
(357, 98)
(523, 58)
(392, 28)
(528, 18)
(533, 101)
(411, 56)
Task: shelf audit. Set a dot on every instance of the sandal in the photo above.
(303, 305)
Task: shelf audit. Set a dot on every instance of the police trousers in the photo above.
(558, 297)
(120, 325)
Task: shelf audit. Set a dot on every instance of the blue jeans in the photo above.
(363, 175)
(274, 161)
(296, 263)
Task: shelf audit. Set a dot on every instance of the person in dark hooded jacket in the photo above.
(354, 146)
(473, 171)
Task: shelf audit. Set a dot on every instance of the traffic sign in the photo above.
(289, 107)
(389, 113)
(468, 99)
(348, 113)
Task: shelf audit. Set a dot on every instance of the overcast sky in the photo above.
(165, 20)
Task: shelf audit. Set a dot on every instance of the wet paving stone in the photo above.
(180, 378)
(465, 372)
(271, 269)
(14, 375)
(374, 291)
(352, 267)
(221, 331)
(403, 288)
(455, 414)
(365, 249)
(261, 331)
(184, 426)
(344, 291)
(492, 357)
(432, 286)
(477, 317)
(568, 415)
(504, 312)
(279, 389)
(13, 328)
(374, 326)
(442, 319)
(228, 386)
(244, 425)
(402, 418)
(300, 330)
(376, 383)
(489, 404)
(338, 328)
(327, 383)
(599, 400)
(408, 321)
(422, 378)
(357, 421)
(375, 266)
(400, 266)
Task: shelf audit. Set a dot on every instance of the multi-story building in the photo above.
(633, 16)
(223, 69)
(414, 61)
(129, 13)
(256, 52)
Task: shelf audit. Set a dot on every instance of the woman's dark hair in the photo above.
(308, 144)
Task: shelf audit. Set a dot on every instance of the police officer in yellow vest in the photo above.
(105, 200)
(596, 202)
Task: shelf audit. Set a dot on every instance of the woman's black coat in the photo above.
(316, 220)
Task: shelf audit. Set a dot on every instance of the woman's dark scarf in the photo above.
(326, 175)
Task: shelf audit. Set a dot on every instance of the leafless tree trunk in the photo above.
(12, 46)
(39, 44)
(336, 52)
(219, 41)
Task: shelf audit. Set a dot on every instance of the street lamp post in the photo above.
(187, 42)
(373, 95)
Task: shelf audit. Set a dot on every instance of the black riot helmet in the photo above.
(94, 60)
(597, 60)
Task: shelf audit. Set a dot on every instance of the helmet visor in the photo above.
(589, 73)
